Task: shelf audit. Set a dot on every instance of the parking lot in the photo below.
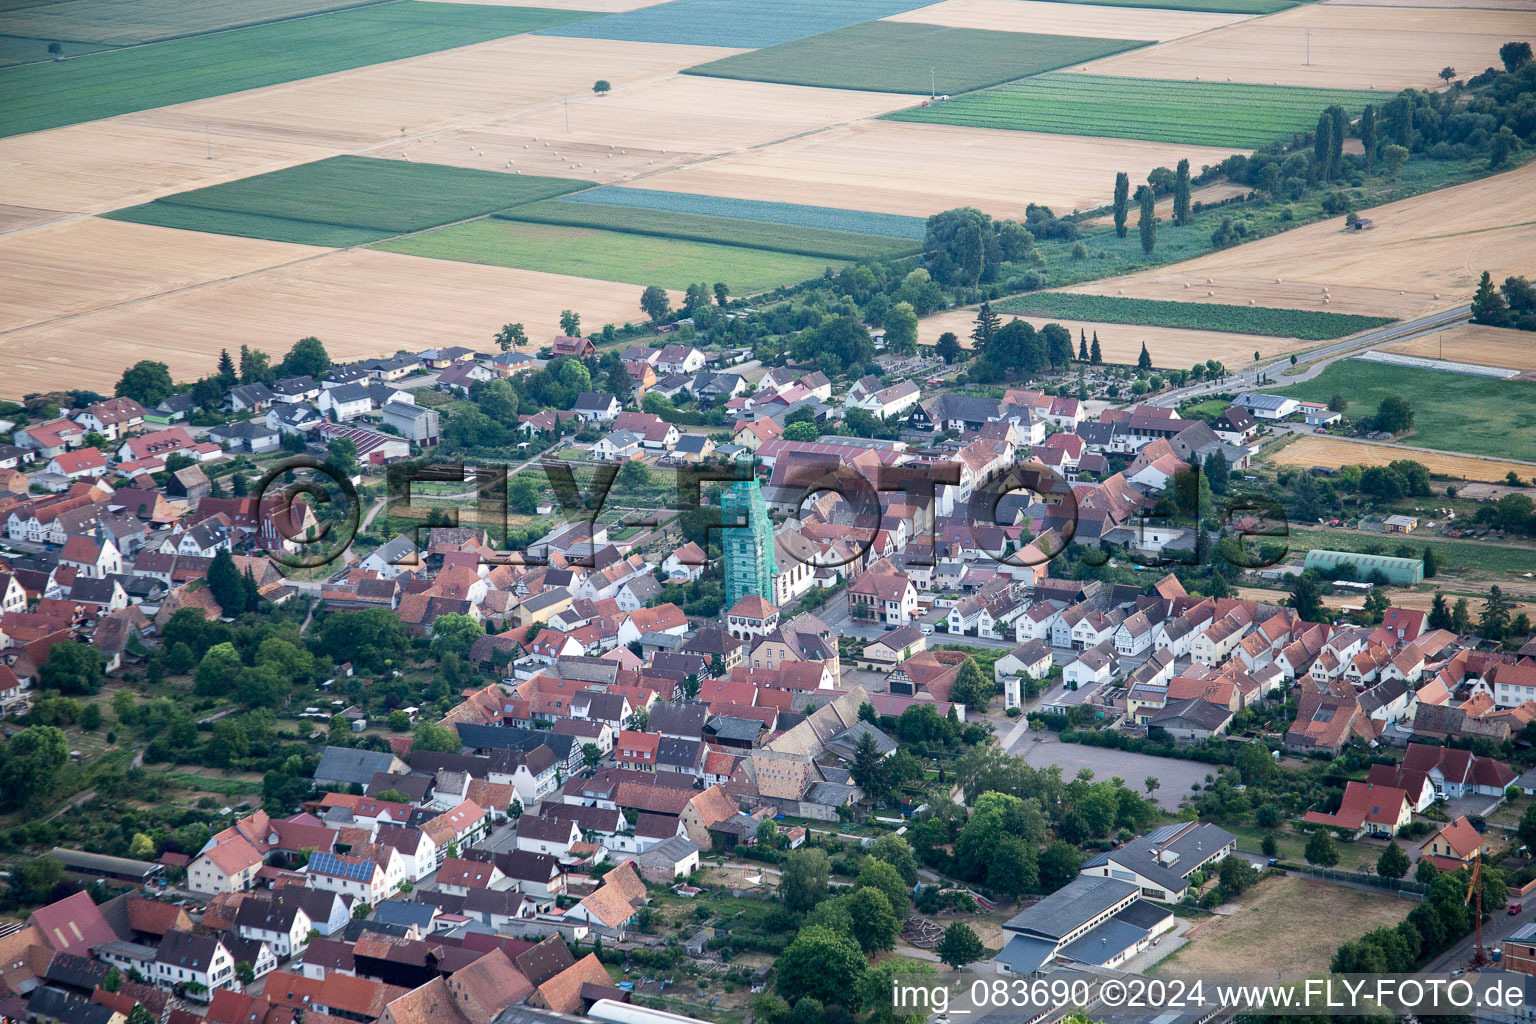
(1174, 776)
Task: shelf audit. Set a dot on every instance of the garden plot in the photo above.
(1380, 48)
(870, 166)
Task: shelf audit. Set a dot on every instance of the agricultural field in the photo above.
(1170, 348)
(1284, 927)
(1451, 412)
(1474, 343)
(1380, 48)
(643, 128)
(747, 24)
(1050, 18)
(836, 245)
(346, 200)
(869, 166)
(24, 50)
(1219, 6)
(857, 222)
(595, 6)
(1307, 325)
(1341, 451)
(67, 269)
(1200, 113)
(1424, 254)
(147, 21)
(610, 256)
(146, 155)
(897, 56)
(362, 303)
(49, 95)
(1457, 556)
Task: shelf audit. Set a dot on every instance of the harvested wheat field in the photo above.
(14, 218)
(1169, 347)
(1474, 343)
(1386, 48)
(1417, 600)
(439, 91)
(103, 165)
(1339, 451)
(1424, 254)
(871, 166)
(359, 302)
(1054, 19)
(646, 127)
(87, 264)
(1458, 5)
(121, 161)
(1312, 917)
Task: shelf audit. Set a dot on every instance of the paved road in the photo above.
(1320, 359)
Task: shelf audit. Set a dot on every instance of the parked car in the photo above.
(1515, 908)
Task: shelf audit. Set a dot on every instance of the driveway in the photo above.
(1174, 776)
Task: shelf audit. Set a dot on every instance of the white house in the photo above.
(1267, 407)
(187, 959)
(1032, 659)
(1091, 667)
(280, 922)
(596, 407)
(369, 879)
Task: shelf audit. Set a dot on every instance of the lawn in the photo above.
(804, 241)
(116, 23)
(1196, 113)
(49, 95)
(891, 56)
(1453, 554)
(346, 200)
(1451, 412)
(610, 256)
(1285, 927)
(743, 24)
(1291, 846)
(827, 218)
(1200, 316)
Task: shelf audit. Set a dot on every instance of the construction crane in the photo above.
(1480, 956)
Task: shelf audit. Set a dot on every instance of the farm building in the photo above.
(1401, 524)
(1267, 407)
(1402, 571)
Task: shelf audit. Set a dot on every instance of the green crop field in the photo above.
(1453, 554)
(827, 218)
(1196, 113)
(49, 95)
(1200, 316)
(117, 23)
(1451, 412)
(836, 245)
(893, 56)
(26, 50)
(610, 256)
(347, 200)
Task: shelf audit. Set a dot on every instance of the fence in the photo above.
(1404, 887)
